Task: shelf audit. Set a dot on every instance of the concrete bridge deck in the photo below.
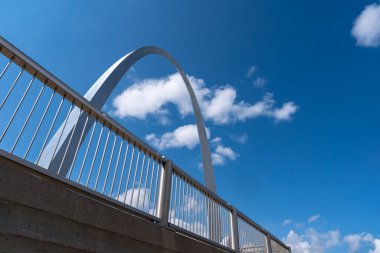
(41, 214)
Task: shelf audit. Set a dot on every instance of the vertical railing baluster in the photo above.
(12, 87)
(86, 152)
(116, 166)
(78, 146)
(102, 159)
(6, 67)
(129, 173)
(109, 163)
(28, 118)
(180, 201)
(141, 176)
(122, 172)
(95, 155)
(69, 143)
(183, 203)
(196, 209)
(205, 217)
(175, 196)
(50, 128)
(192, 213)
(210, 218)
(134, 177)
(187, 205)
(146, 182)
(17, 108)
(151, 187)
(60, 136)
(40, 123)
(158, 172)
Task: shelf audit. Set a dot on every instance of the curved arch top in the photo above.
(102, 88)
(52, 156)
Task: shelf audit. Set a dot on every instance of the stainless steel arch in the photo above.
(99, 93)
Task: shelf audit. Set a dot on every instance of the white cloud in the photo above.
(221, 153)
(240, 138)
(187, 136)
(259, 82)
(184, 136)
(312, 241)
(226, 152)
(285, 112)
(376, 244)
(223, 109)
(353, 242)
(149, 97)
(217, 159)
(366, 29)
(252, 70)
(216, 140)
(297, 243)
(313, 218)
(286, 222)
(356, 241)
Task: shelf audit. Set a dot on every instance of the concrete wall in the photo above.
(41, 214)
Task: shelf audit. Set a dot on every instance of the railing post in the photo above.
(268, 242)
(234, 228)
(165, 192)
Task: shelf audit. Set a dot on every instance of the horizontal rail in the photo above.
(100, 156)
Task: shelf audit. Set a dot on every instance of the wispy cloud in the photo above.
(313, 218)
(252, 70)
(259, 82)
(240, 138)
(150, 97)
(366, 29)
(286, 222)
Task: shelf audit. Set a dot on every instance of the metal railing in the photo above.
(251, 239)
(198, 210)
(36, 109)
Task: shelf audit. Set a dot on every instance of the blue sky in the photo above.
(288, 90)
